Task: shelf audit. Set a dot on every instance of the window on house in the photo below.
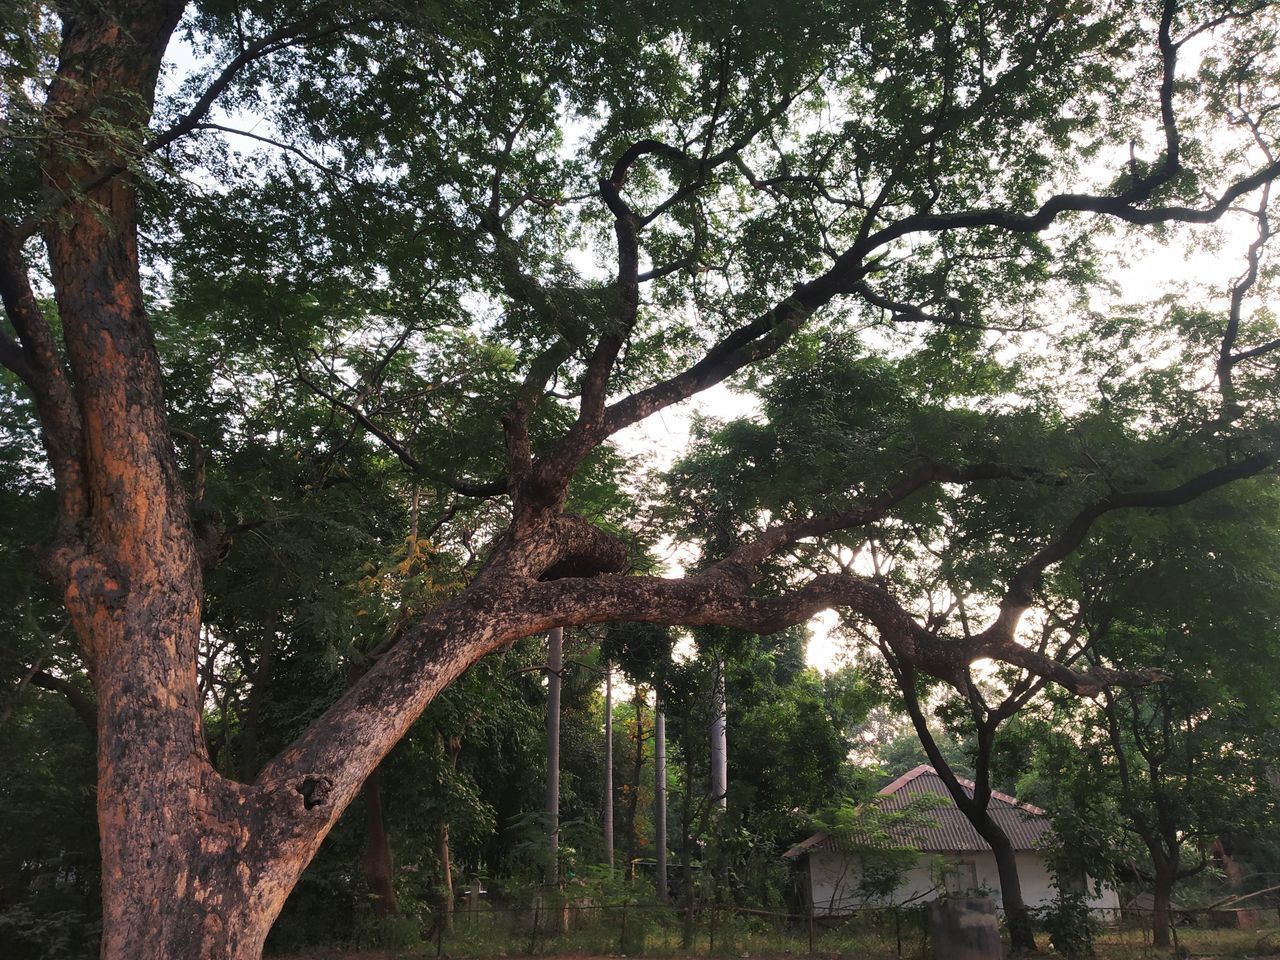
(960, 877)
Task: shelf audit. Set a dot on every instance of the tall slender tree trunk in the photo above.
(377, 863)
(633, 801)
(608, 764)
(555, 662)
(660, 799)
(452, 746)
(686, 851)
(719, 742)
(720, 776)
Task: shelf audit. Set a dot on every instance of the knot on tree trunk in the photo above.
(314, 790)
(297, 795)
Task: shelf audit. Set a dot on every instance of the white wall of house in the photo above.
(834, 881)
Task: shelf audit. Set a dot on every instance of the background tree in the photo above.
(1183, 763)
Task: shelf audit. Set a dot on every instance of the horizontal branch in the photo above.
(876, 508)
(1120, 207)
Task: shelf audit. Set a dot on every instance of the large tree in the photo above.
(429, 187)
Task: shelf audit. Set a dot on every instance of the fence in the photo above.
(1254, 931)
(633, 928)
(550, 926)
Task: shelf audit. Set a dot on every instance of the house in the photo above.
(953, 858)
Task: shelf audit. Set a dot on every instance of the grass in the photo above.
(660, 935)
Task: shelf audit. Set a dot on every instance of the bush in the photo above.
(1070, 925)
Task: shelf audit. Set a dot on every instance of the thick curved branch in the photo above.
(764, 335)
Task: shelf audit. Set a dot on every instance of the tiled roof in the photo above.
(1024, 824)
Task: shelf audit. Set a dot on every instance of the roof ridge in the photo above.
(902, 781)
(896, 785)
(821, 837)
(1013, 801)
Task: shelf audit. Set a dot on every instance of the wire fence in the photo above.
(548, 925)
(1254, 931)
(632, 928)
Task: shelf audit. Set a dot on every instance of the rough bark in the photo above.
(183, 860)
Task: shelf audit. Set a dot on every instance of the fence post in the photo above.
(533, 934)
(440, 936)
(897, 928)
(711, 928)
(810, 918)
(622, 938)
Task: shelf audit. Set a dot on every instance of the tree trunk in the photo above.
(379, 871)
(1162, 901)
(719, 743)
(974, 804)
(185, 860)
(660, 799)
(453, 746)
(1022, 938)
(608, 764)
(686, 851)
(555, 661)
(633, 801)
(446, 875)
